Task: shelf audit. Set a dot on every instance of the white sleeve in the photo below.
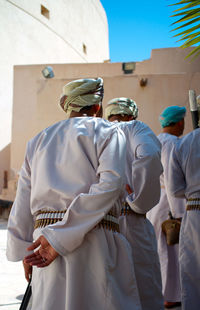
(176, 204)
(175, 177)
(88, 209)
(146, 171)
(20, 222)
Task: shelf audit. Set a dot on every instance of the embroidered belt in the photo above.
(110, 221)
(44, 218)
(193, 204)
(126, 210)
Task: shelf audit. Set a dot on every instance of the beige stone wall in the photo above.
(28, 37)
(169, 61)
(36, 99)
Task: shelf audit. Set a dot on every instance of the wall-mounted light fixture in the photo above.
(128, 67)
(48, 72)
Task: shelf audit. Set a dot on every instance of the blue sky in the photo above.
(137, 27)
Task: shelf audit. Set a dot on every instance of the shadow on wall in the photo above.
(4, 167)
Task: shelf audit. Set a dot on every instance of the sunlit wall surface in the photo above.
(46, 31)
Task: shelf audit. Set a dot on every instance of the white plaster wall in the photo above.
(27, 37)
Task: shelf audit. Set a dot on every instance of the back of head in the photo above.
(121, 106)
(81, 94)
(172, 115)
(172, 120)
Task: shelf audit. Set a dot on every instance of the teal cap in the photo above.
(171, 115)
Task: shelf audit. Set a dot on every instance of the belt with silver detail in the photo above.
(44, 218)
(126, 210)
(193, 204)
(110, 221)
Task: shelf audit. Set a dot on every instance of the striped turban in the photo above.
(123, 106)
(82, 93)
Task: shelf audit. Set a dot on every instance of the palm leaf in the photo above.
(191, 42)
(188, 15)
(186, 18)
(186, 32)
(187, 38)
(195, 52)
(190, 5)
(182, 2)
(186, 24)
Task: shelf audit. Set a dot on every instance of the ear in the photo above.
(97, 108)
(62, 101)
(180, 123)
(131, 118)
(99, 113)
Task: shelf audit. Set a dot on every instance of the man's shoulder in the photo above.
(193, 134)
(133, 126)
(94, 124)
(138, 132)
(73, 125)
(189, 140)
(168, 139)
(47, 130)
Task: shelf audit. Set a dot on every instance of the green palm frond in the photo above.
(195, 52)
(187, 24)
(188, 15)
(188, 38)
(182, 2)
(191, 42)
(190, 5)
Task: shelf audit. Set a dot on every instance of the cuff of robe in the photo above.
(17, 249)
(50, 236)
(130, 200)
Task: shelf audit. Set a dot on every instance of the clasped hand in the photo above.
(43, 256)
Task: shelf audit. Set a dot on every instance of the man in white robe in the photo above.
(143, 169)
(183, 181)
(68, 201)
(172, 122)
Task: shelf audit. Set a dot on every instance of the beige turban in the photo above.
(82, 93)
(121, 106)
